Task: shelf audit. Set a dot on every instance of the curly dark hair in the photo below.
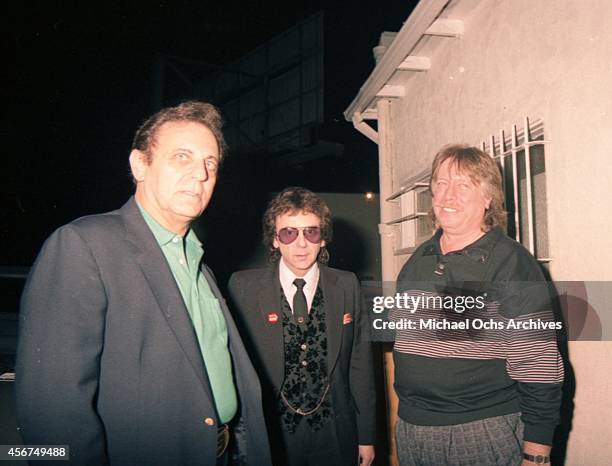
(294, 200)
(481, 168)
(191, 110)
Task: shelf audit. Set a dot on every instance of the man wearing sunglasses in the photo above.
(307, 332)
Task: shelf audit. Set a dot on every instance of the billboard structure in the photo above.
(272, 98)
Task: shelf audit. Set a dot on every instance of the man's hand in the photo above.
(366, 455)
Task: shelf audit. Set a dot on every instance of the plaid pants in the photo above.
(495, 441)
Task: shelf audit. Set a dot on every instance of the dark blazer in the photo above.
(256, 293)
(108, 360)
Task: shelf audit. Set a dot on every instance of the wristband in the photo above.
(537, 459)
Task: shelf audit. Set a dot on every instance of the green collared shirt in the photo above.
(184, 255)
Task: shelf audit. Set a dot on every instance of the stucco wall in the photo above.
(548, 59)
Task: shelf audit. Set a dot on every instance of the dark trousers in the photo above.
(224, 459)
(307, 448)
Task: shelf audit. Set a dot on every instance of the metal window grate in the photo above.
(520, 156)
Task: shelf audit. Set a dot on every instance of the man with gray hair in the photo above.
(127, 352)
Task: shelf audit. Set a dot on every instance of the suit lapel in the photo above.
(334, 313)
(163, 285)
(269, 301)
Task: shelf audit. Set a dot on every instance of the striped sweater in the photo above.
(482, 340)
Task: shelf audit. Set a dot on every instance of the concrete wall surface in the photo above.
(548, 60)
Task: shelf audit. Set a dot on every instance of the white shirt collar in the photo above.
(287, 276)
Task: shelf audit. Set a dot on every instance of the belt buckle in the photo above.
(222, 439)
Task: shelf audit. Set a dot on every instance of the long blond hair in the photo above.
(482, 170)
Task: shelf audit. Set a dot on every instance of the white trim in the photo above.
(364, 128)
(370, 114)
(445, 27)
(411, 32)
(391, 91)
(412, 187)
(414, 63)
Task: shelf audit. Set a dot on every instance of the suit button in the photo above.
(303, 346)
(304, 363)
(209, 421)
(300, 320)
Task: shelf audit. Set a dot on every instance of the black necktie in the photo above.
(300, 306)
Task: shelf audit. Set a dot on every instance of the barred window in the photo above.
(520, 155)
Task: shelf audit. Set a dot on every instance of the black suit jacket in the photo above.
(108, 360)
(256, 294)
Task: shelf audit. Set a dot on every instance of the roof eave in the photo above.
(411, 32)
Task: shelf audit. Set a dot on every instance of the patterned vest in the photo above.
(306, 383)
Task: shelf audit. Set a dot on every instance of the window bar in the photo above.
(502, 149)
(492, 152)
(515, 184)
(529, 200)
(483, 146)
(502, 158)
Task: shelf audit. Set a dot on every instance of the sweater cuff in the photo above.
(539, 433)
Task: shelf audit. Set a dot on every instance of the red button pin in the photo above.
(272, 317)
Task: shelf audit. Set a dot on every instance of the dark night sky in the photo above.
(76, 83)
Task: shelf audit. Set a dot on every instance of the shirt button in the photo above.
(181, 261)
(304, 363)
(175, 239)
(303, 346)
(209, 421)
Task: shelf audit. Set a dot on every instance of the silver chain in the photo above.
(299, 410)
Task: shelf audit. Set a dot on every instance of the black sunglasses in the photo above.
(288, 235)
